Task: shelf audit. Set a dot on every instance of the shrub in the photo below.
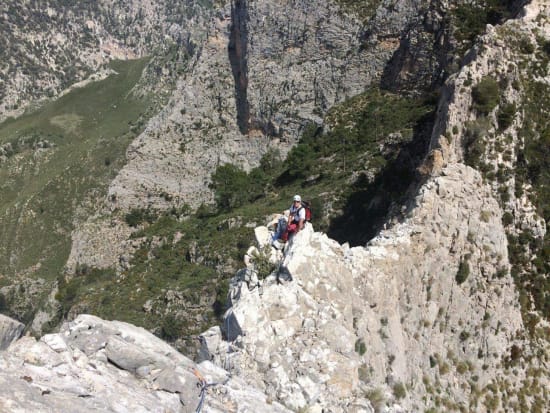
(233, 187)
(171, 327)
(507, 219)
(139, 215)
(462, 367)
(271, 161)
(474, 143)
(230, 185)
(525, 46)
(506, 116)
(262, 265)
(300, 161)
(486, 95)
(464, 335)
(463, 271)
(515, 353)
(399, 390)
(360, 347)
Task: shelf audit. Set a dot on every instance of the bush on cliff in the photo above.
(486, 95)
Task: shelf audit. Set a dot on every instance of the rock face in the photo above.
(48, 46)
(10, 330)
(263, 73)
(110, 366)
(402, 313)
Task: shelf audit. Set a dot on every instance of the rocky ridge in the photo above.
(331, 325)
(392, 318)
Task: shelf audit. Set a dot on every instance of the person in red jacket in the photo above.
(296, 218)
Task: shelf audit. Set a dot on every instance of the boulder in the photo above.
(10, 330)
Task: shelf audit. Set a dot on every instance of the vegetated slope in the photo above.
(497, 122)
(54, 163)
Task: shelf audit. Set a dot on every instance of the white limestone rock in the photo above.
(109, 366)
(10, 330)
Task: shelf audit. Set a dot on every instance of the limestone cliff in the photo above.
(398, 318)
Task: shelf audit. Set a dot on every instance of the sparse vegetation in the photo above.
(506, 115)
(486, 95)
(137, 216)
(472, 18)
(463, 271)
(399, 390)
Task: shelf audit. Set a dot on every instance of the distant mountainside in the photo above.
(47, 46)
(131, 188)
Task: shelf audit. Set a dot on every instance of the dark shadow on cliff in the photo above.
(367, 208)
(237, 52)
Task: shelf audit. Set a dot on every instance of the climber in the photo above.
(296, 218)
(290, 222)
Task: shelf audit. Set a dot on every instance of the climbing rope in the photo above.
(204, 385)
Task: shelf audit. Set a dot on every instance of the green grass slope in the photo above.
(56, 158)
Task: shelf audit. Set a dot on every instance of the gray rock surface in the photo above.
(10, 330)
(299, 59)
(357, 320)
(93, 365)
(296, 60)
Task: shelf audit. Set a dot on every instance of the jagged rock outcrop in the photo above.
(110, 366)
(293, 332)
(396, 317)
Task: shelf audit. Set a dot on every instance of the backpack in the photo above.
(307, 206)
